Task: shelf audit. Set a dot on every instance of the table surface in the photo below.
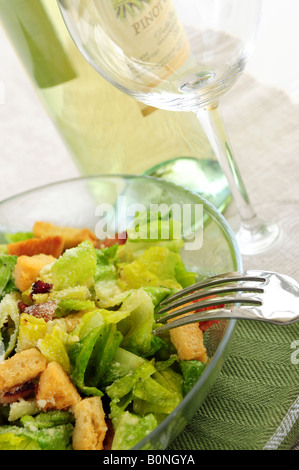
(31, 149)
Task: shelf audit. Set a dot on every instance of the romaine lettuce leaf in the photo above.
(184, 277)
(146, 390)
(21, 438)
(137, 327)
(126, 384)
(90, 357)
(70, 293)
(88, 322)
(105, 264)
(33, 329)
(18, 237)
(158, 294)
(149, 396)
(65, 307)
(77, 266)
(108, 294)
(132, 250)
(192, 371)
(44, 431)
(162, 365)
(123, 363)
(150, 230)
(9, 324)
(7, 283)
(11, 441)
(170, 380)
(154, 268)
(80, 354)
(114, 316)
(139, 400)
(47, 420)
(21, 408)
(131, 429)
(52, 346)
(152, 226)
(103, 353)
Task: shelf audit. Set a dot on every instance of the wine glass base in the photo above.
(280, 250)
(264, 237)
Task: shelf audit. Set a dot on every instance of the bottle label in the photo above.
(36, 42)
(150, 34)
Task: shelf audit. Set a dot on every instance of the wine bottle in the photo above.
(141, 45)
(105, 130)
(152, 40)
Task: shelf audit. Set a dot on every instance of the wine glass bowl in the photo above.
(211, 45)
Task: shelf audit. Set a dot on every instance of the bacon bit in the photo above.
(204, 325)
(21, 391)
(40, 287)
(22, 306)
(118, 239)
(46, 310)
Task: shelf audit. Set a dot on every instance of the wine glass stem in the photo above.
(212, 123)
(254, 235)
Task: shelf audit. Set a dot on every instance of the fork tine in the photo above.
(213, 281)
(186, 320)
(203, 293)
(232, 299)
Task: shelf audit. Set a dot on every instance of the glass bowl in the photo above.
(210, 249)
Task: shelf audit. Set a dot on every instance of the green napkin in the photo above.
(254, 403)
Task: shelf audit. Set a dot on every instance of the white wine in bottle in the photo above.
(105, 130)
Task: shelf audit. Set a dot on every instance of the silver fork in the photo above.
(252, 295)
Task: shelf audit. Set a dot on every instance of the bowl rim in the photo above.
(218, 218)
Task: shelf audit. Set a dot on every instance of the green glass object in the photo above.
(203, 176)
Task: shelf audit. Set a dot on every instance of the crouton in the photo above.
(34, 246)
(55, 389)
(71, 236)
(27, 269)
(188, 341)
(21, 368)
(90, 428)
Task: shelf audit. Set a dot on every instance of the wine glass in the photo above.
(178, 55)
